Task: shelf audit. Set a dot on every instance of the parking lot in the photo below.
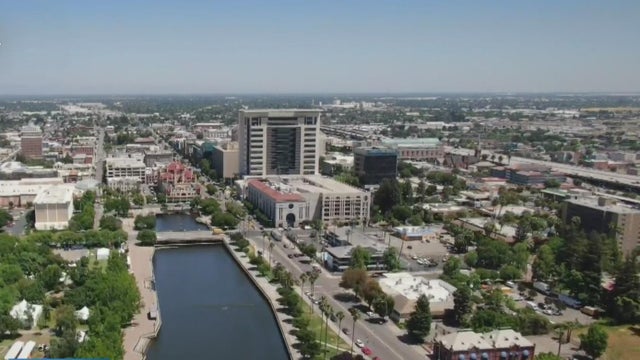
(412, 252)
(567, 315)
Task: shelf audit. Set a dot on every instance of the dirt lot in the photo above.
(40, 337)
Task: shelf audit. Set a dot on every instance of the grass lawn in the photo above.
(624, 342)
(316, 324)
(93, 261)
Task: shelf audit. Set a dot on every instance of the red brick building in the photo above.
(31, 142)
(501, 344)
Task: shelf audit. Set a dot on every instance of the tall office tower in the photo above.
(278, 142)
(31, 142)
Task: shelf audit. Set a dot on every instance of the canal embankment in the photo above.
(270, 293)
(211, 305)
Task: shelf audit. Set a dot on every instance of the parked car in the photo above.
(371, 314)
(359, 343)
(346, 331)
(367, 351)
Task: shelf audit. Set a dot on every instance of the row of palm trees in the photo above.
(327, 312)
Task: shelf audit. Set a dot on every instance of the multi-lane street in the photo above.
(382, 339)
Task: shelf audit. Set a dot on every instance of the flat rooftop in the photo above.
(593, 203)
(412, 287)
(274, 193)
(55, 194)
(124, 162)
(318, 183)
(279, 112)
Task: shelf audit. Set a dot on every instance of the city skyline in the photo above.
(288, 47)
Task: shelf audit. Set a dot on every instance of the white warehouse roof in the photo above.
(56, 194)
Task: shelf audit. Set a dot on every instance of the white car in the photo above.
(359, 343)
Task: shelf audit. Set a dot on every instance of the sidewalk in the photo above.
(316, 310)
(137, 336)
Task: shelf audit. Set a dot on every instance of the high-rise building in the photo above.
(278, 142)
(372, 164)
(31, 142)
(605, 216)
(225, 160)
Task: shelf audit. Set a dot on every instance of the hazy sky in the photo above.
(273, 46)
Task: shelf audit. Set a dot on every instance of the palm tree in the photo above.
(324, 313)
(264, 240)
(355, 315)
(303, 280)
(271, 246)
(330, 313)
(340, 317)
(312, 276)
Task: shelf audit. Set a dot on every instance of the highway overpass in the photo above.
(619, 181)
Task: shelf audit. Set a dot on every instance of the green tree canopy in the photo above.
(595, 341)
(419, 322)
(360, 257)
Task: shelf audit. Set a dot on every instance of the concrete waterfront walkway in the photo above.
(142, 330)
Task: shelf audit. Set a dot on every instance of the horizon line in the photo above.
(399, 93)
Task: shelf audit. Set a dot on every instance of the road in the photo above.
(569, 170)
(383, 339)
(20, 222)
(98, 163)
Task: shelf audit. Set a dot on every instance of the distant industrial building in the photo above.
(406, 289)
(372, 164)
(226, 161)
(31, 142)
(279, 142)
(606, 216)
(417, 149)
(500, 344)
(527, 174)
(287, 201)
(54, 207)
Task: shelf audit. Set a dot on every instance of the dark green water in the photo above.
(210, 309)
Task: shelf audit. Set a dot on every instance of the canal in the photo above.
(209, 308)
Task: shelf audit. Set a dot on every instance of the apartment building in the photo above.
(278, 142)
(606, 216)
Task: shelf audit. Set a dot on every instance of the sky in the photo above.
(308, 46)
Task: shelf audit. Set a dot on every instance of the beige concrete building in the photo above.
(308, 198)
(54, 207)
(606, 216)
(279, 142)
(226, 160)
(125, 167)
(19, 193)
